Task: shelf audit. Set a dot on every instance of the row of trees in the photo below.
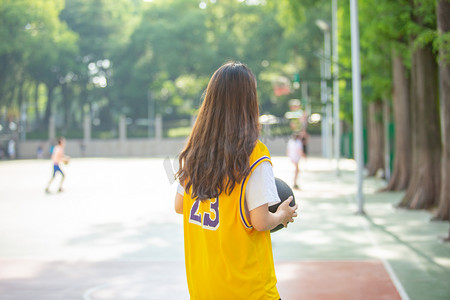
(104, 58)
(405, 54)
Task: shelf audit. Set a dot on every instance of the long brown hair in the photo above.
(216, 156)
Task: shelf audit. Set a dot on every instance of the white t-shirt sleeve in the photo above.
(180, 190)
(261, 188)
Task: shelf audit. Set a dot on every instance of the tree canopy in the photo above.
(104, 58)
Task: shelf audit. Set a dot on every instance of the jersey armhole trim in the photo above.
(244, 219)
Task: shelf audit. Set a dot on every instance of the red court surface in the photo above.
(335, 280)
(124, 280)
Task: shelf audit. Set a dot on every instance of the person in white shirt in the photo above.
(295, 152)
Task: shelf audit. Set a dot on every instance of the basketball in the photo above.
(284, 192)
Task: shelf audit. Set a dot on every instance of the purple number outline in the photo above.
(207, 222)
(195, 217)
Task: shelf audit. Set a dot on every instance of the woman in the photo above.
(226, 187)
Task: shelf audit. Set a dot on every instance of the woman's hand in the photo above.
(286, 213)
(262, 219)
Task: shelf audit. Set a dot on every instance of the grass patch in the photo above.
(179, 132)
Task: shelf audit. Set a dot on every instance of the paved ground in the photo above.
(112, 234)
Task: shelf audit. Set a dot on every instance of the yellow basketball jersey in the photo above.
(226, 259)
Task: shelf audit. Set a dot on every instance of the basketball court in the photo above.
(113, 234)
(166, 280)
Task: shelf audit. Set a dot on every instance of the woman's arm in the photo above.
(260, 193)
(262, 219)
(179, 203)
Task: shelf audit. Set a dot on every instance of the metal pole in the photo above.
(357, 104)
(328, 94)
(387, 146)
(337, 129)
(323, 98)
(306, 108)
(325, 75)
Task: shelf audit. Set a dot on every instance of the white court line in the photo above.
(386, 264)
(398, 285)
(87, 294)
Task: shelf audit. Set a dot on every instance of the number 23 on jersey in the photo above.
(205, 214)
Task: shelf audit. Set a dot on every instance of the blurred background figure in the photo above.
(82, 149)
(295, 152)
(304, 137)
(11, 149)
(40, 152)
(58, 157)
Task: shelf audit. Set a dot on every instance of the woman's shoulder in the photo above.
(259, 151)
(260, 146)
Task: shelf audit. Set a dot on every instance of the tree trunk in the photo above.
(4, 66)
(66, 105)
(83, 101)
(443, 20)
(20, 95)
(402, 117)
(13, 92)
(36, 105)
(48, 108)
(424, 188)
(376, 138)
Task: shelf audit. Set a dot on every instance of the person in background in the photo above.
(40, 152)
(295, 152)
(11, 149)
(58, 158)
(304, 136)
